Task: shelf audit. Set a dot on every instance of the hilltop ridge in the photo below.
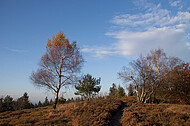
(100, 112)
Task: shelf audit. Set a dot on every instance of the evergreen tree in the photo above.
(23, 102)
(88, 86)
(68, 100)
(31, 105)
(61, 100)
(35, 106)
(46, 102)
(113, 91)
(40, 104)
(51, 102)
(2, 106)
(120, 91)
(130, 90)
(72, 99)
(8, 103)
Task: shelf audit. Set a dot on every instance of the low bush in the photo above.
(84, 113)
(156, 114)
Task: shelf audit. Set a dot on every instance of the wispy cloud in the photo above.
(154, 17)
(175, 3)
(188, 45)
(156, 28)
(16, 50)
(101, 52)
(141, 32)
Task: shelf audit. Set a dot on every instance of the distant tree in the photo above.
(77, 99)
(72, 99)
(40, 104)
(113, 91)
(58, 65)
(130, 90)
(68, 100)
(51, 102)
(22, 102)
(61, 100)
(35, 105)
(31, 105)
(46, 102)
(8, 103)
(25, 98)
(88, 86)
(120, 91)
(82, 98)
(2, 105)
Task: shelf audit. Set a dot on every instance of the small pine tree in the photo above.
(68, 100)
(88, 86)
(46, 102)
(130, 90)
(51, 102)
(31, 105)
(72, 99)
(23, 102)
(8, 103)
(113, 91)
(2, 105)
(35, 106)
(61, 100)
(40, 104)
(120, 91)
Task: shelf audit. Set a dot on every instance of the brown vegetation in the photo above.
(138, 114)
(99, 112)
(95, 112)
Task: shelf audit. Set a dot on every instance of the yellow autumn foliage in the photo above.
(58, 40)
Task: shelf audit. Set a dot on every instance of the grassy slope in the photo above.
(155, 114)
(99, 112)
(96, 112)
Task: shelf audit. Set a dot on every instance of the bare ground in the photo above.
(115, 121)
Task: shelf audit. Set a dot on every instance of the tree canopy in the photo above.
(177, 83)
(116, 91)
(58, 65)
(88, 86)
(147, 74)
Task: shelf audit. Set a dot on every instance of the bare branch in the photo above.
(58, 64)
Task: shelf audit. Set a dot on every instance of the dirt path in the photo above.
(116, 118)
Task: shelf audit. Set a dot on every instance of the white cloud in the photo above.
(175, 3)
(16, 50)
(168, 38)
(188, 45)
(141, 32)
(155, 17)
(157, 28)
(142, 4)
(101, 52)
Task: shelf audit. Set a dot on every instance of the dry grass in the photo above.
(96, 112)
(38, 116)
(156, 114)
(99, 112)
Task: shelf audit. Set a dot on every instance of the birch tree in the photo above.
(58, 65)
(147, 73)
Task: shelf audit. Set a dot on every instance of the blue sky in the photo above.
(110, 34)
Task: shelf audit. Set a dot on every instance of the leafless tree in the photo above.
(58, 65)
(146, 73)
